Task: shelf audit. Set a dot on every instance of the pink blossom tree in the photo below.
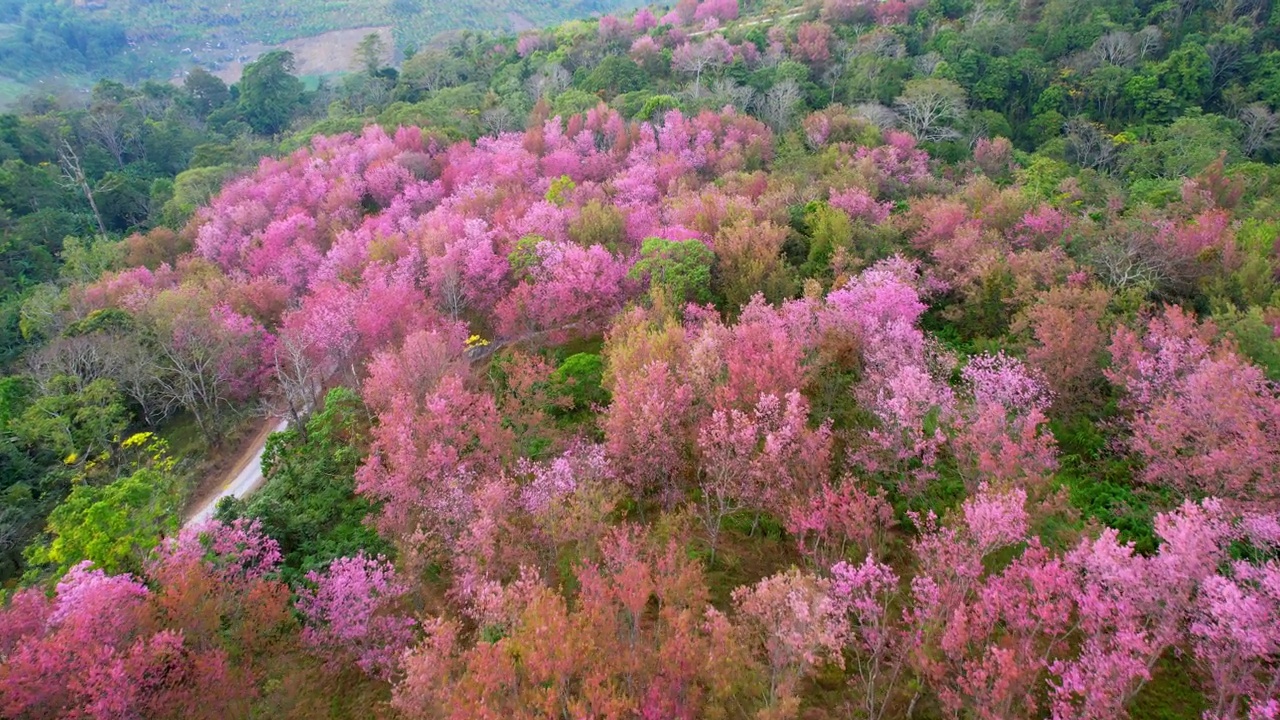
(813, 43)
(793, 621)
(647, 431)
(569, 292)
(1236, 637)
(1204, 419)
(1002, 437)
(834, 523)
(877, 647)
(351, 614)
(721, 10)
(434, 440)
(760, 459)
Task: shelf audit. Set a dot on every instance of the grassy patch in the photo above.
(186, 443)
(1172, 694)
(10, 90)
(743, 557)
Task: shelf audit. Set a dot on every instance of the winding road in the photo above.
(247, 479)
(246, 476)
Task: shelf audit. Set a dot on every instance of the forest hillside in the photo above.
(854, 358)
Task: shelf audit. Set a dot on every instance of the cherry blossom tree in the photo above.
(647, 431)
(638, 638)
(876, 645)
(1003, 439)
(1204, 419)
(1235, 638)
(759, 459)
(796, 625)
(351, 614)
(696, 58)
(209, 359)
(1067, 325)
(838, 522)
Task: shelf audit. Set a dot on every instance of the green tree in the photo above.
(310, 505)
(577, 383)
(1147, 101)
(114, 526)
(680, 270)
(1187, 73)
(829, 228)
(269, 92)
(205, 91)
(370, 53)
(191, 189)
(77, 422)
(614, 75)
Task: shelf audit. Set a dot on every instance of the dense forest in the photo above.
(854, 358)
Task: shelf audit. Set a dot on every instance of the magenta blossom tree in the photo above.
(352, 614)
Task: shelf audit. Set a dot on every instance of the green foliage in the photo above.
(1101, 485)
(679, 270)
(1173, 693)
(1187, 73)
(191, 189)
(77, 422)
(613, 75)
(84, 260)
(560, 191)
(655, 106)
(309, 503)
(599, 224)
(1185, 148)
(574, 102)
(577, 386)
(829, 229)
(115, 526)
(269, 92)
(1254, 336)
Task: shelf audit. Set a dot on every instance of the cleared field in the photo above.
(323, 54)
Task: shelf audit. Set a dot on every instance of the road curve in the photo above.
(245, 482)
(250, 478)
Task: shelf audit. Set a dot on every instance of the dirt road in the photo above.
(244, 477)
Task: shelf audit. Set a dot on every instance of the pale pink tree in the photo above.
(795, 623)
(758, 460)
(570, 292)
(954, 654)
(647, 431)
(876, 645)
(902, 382)
(469, 275)
(237, 552)
(860, 205)
(836, 522)
(643, 20)
(813, 43)
(1131, 609)
(697, 58)
(721, 10)
(1204, 419)
(1236, 638)
(1067, 324)
(209, 360)
(434, 440)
